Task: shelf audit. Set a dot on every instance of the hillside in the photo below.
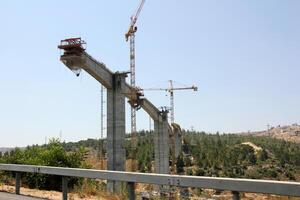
(225, 155)
(216, 155)
(243, 156)
(288, 133)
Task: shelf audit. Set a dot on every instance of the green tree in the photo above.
(262, 155)
(50, 155)
(180, 164)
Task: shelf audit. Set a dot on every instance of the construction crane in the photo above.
(130, 34)
(171, 90)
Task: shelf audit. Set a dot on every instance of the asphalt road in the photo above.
(8, 196)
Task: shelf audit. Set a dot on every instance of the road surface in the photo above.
(8, 196)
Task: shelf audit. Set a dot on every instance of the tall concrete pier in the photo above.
(176, 139)
(116, 155)
(161, 144)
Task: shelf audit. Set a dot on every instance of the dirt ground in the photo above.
(54, 195)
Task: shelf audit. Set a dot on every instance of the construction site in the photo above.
(168, 160)
(167, 135)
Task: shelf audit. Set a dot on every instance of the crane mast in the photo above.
(172, 101)
(130, 34)
(132, 83)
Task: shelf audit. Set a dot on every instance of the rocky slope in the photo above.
(287, 132)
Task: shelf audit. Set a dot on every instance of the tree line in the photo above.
(203, 154)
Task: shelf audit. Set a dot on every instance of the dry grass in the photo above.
(54, 195)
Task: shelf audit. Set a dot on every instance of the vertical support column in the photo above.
(235, 195)
(161, 145)
(161, 148)
(116, 130)
(65, 188)
(177, 141)
(18, 182)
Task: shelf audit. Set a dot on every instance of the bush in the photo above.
(262, 155)
(187, 161)
(50, 155)
(180, 164)
(189, 172)
(200, 172)
(270, 173)
(253, 174)
(290, 175)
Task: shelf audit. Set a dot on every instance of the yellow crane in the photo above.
(171, 90)
(132, 27)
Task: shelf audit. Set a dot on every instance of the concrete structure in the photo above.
(230, 184)
(116, 128)
(75, 57)
(176, 139)
(161, 143)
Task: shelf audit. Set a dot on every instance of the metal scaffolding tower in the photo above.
(130, 34)
(132, 81)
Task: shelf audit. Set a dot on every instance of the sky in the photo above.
(242, 55)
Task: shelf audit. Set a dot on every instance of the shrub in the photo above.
(50, 155)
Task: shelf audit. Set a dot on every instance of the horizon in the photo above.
(128, 134)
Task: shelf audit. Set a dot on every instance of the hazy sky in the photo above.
(243, 56)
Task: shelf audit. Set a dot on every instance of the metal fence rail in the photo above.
(231, 184)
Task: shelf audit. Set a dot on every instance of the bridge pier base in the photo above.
(116, 155)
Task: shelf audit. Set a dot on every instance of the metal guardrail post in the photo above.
(131, 190)
(235, 195)
(65, 188)
(18, 182)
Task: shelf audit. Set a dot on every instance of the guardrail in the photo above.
(231, 184)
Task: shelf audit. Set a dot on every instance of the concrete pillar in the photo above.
(116, 155)
(161, 145)
(177, 142)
